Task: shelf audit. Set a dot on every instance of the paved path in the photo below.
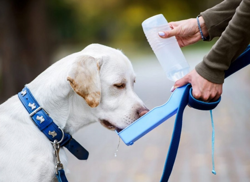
(143, 162)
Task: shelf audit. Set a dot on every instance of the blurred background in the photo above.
(34, 34)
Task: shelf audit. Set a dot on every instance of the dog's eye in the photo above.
(120, 85)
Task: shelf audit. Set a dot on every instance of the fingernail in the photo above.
(172, 89)
(161, 34)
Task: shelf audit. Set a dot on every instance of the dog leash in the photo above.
(188, 99)
(54, 133)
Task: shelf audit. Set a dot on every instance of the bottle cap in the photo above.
(154, 21)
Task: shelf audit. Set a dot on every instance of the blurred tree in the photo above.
(30, 32)
(24, 41)
(32, 29)
(63, 22)
(120, 21)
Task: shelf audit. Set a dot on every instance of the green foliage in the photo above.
(115, 21)
(62, 19)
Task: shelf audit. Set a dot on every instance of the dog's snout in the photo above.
(142, 111)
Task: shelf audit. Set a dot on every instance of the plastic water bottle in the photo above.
(167, 50)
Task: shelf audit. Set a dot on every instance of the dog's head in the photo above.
(104, 78)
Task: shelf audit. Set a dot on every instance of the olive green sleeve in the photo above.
(233, 41)
(217, 17)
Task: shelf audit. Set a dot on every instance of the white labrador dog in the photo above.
(95, 84)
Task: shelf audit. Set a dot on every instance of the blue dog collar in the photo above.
(46, 125)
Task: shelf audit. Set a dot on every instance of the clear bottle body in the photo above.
(166, 50)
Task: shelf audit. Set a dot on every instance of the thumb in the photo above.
(168, 33)
(181, 82)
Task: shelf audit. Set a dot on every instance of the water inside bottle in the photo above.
(175, 75)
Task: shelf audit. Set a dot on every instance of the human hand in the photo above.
(185, 31)
(202, 89)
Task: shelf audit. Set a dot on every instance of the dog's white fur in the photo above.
(103, 76)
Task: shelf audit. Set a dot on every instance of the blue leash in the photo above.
(61, 176)
(188, 99)
(212, 122)
(55, 134)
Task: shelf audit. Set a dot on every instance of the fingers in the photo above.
(203, 89)
(181, 82)
(207, 95)
(196, 94)
(216, 96)
(169, 33)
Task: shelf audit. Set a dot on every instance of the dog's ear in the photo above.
(84, 78)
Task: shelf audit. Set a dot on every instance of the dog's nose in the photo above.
(142, 111)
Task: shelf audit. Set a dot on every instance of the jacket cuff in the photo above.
(214, 76)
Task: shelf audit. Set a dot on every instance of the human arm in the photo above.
(213, 22)
(230, 45)
(217, 17)
(186, 31)
(233, 41)
(202, 88)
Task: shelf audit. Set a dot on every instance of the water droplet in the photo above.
(117, 148)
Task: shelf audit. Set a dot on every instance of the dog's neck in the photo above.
(53, 92)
